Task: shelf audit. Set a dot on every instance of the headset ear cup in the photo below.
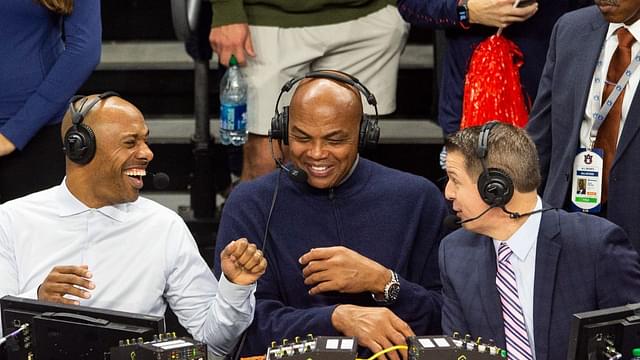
(80, 144)
(279, 126)
(275, 133)
(495, 187)
(369, 133)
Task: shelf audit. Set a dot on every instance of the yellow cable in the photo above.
(393, 348)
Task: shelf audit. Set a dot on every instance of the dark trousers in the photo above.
(38, 166)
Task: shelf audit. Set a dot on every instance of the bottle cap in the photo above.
(635, 352)
(233, 61)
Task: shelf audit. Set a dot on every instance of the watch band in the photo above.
(391, 290)
(463, 13)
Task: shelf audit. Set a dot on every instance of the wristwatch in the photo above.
(463, 13)
(391, 290)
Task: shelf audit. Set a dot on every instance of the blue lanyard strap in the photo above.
(600, 115)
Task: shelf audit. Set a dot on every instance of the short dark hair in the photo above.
(509, 149)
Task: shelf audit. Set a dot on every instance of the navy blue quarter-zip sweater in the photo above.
(389, 216)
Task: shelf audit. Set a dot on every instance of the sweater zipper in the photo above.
(336, 216)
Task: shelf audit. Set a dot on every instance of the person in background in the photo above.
(467, 22)
(48, 48)
(591, 50)
(278, 40)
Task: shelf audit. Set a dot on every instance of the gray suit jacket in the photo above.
(558, 112)
(583, 263)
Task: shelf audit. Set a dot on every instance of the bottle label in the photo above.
(233, 117)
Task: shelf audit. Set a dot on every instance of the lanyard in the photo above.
(600, 115)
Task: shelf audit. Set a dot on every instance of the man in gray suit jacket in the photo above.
(569, 95)
(518, 270)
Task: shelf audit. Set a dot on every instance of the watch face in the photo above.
(463, 14)
(393, 292)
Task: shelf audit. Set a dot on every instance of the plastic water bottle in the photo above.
(233, 105)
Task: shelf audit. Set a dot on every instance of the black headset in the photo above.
(494, 185)
(369, 129)
(79, 142)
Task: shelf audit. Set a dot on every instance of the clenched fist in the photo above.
(242, 263)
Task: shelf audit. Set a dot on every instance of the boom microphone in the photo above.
(453, 222)
(296, 174)
(160, 180)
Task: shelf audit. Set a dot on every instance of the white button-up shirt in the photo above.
(609, 47)
(141, 254)
(523, 243)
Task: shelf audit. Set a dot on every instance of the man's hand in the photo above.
(340, 269)
(498, 13)
(6, 146)
(242, 263)
(232, 39)
(66, 280)
(376, 328)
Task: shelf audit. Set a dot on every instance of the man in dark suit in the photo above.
(570, 94)
(518, 270)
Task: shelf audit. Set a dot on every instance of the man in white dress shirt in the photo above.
(92, 240)
(585, 118)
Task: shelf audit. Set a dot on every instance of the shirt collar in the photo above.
(522, 241)
(69, 205)
(634, 29)
(353, 168)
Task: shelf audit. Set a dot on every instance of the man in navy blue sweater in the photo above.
(353, 249)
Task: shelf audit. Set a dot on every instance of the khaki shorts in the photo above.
(368, 48)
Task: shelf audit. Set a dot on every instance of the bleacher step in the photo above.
(171, 55)
(392, 131)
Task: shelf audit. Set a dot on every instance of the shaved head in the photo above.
(327, 95)
(324, 128)
(107, 107)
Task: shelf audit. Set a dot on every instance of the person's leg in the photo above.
(38, 166)
(280, 55)
(256, 157)
(369, 48)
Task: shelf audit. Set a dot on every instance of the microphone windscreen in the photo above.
(452, 222)
(297, 175)
(160, 180)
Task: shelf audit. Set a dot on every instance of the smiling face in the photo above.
(323, 130)
(620, 11)
(115, 174)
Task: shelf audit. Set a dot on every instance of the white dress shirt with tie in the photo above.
(609, 47)
(141, 254)
(523, 244)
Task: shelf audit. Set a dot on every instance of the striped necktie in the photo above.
(515, 330)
